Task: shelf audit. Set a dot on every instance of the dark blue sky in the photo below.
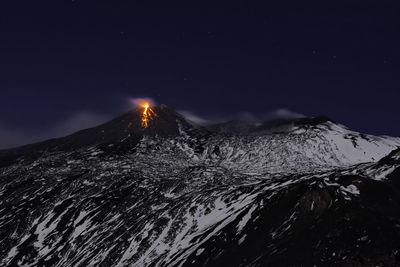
(59, 58)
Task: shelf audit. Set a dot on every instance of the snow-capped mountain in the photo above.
(302, 192)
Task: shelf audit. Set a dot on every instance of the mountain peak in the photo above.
(128, 127)
(160, 120)
(157, 120)
(270, 125)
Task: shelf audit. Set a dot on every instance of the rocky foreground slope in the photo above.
(175, 194)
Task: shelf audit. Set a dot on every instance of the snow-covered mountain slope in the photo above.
(300, 148)
(317, 194)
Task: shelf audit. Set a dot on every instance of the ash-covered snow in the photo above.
(199, 200)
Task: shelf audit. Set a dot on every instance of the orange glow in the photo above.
(148, 114)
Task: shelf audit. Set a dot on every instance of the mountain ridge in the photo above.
(168, 123)
(315, 194)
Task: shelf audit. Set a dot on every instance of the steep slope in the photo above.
(178, 195)
(126, 127)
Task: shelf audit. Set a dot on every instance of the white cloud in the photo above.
(190, 116)
(11, 138)
(282, 113)
(77, 121)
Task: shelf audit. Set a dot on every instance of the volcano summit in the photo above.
(154, 189)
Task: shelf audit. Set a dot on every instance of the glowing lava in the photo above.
(148, 114)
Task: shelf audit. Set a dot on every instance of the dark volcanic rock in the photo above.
(174, 194)
(166, 123)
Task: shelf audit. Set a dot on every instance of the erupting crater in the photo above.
(148, 114)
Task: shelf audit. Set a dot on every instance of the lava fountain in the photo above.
(148, 114)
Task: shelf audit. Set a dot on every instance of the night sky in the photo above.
(68, 64)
